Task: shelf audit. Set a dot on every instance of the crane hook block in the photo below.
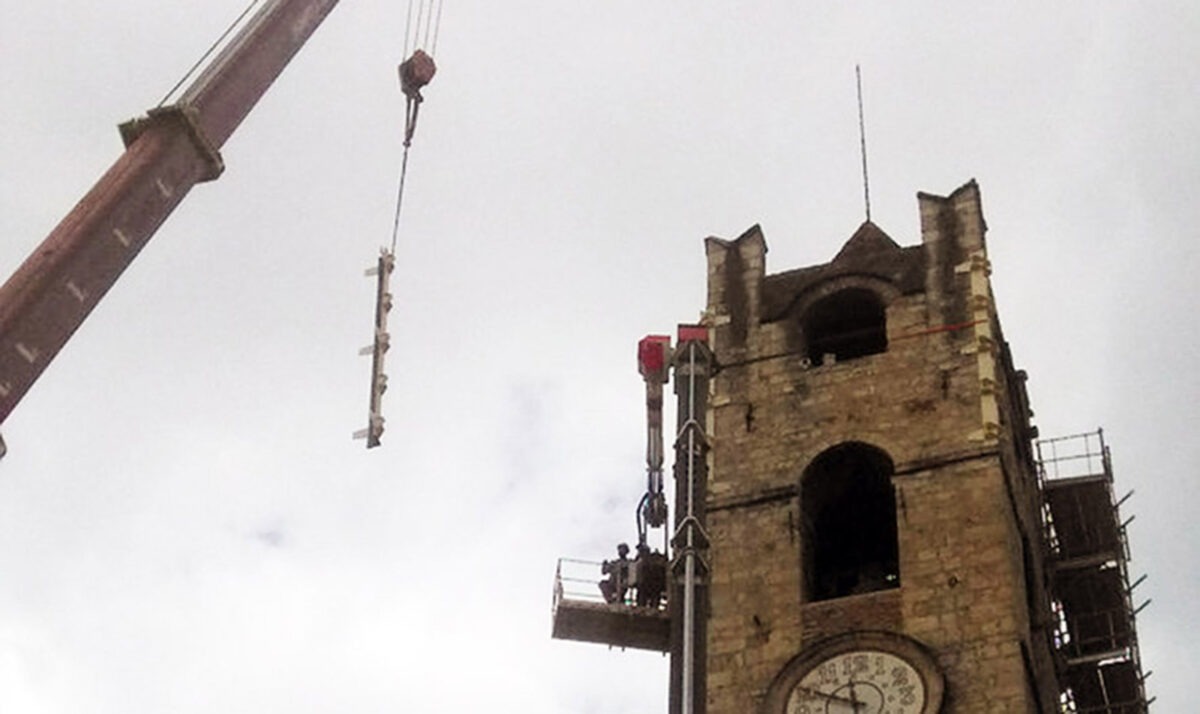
(416, 72)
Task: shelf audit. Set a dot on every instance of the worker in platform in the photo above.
(614, 586)
(650, 574)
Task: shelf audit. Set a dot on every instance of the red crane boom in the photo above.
(167, 152)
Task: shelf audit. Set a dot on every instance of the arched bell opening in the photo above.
(849, 513)
(848, 324)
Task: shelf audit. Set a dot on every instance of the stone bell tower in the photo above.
(864, 522)
(873, 500)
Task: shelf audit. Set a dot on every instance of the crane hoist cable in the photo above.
(432, 23)
(238, 21)
(416, 71)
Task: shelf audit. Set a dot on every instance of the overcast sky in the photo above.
(186, 525)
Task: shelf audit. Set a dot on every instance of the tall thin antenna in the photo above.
(862, 139)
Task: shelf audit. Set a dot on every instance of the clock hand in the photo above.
(853, 698)
(826, 695)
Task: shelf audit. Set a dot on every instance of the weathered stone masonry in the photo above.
(941, 400)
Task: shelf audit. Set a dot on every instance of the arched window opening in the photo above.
(849, 509)
(847, 324)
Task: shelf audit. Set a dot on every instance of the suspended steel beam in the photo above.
(378, 348)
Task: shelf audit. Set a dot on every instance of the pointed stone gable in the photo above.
(869, 252)
(868, 240)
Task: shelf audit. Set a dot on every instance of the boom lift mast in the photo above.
(167, 152)
(680, 628)
(653, 362)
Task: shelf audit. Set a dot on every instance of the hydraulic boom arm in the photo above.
(167, 152)
(654, 356)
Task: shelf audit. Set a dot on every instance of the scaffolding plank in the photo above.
(1086, 562)
(1068, 481)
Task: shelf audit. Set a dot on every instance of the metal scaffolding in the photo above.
(1094, 638)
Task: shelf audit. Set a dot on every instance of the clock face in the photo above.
(863, 672)
(859, 682)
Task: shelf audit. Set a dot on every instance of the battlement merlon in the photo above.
(735, 278)
(953, 233)
(742, 295)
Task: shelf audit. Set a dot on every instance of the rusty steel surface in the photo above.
(49, 296)
(58, 285)
(228, 89)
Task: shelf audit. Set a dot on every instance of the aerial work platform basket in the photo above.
(580, 612)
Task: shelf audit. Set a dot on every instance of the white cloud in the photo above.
(185, 524)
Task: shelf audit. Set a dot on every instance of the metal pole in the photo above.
(689, 554)
(689, 568)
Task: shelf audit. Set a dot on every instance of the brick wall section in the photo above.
(963, 504)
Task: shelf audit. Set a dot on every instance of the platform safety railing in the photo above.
(578, 581)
